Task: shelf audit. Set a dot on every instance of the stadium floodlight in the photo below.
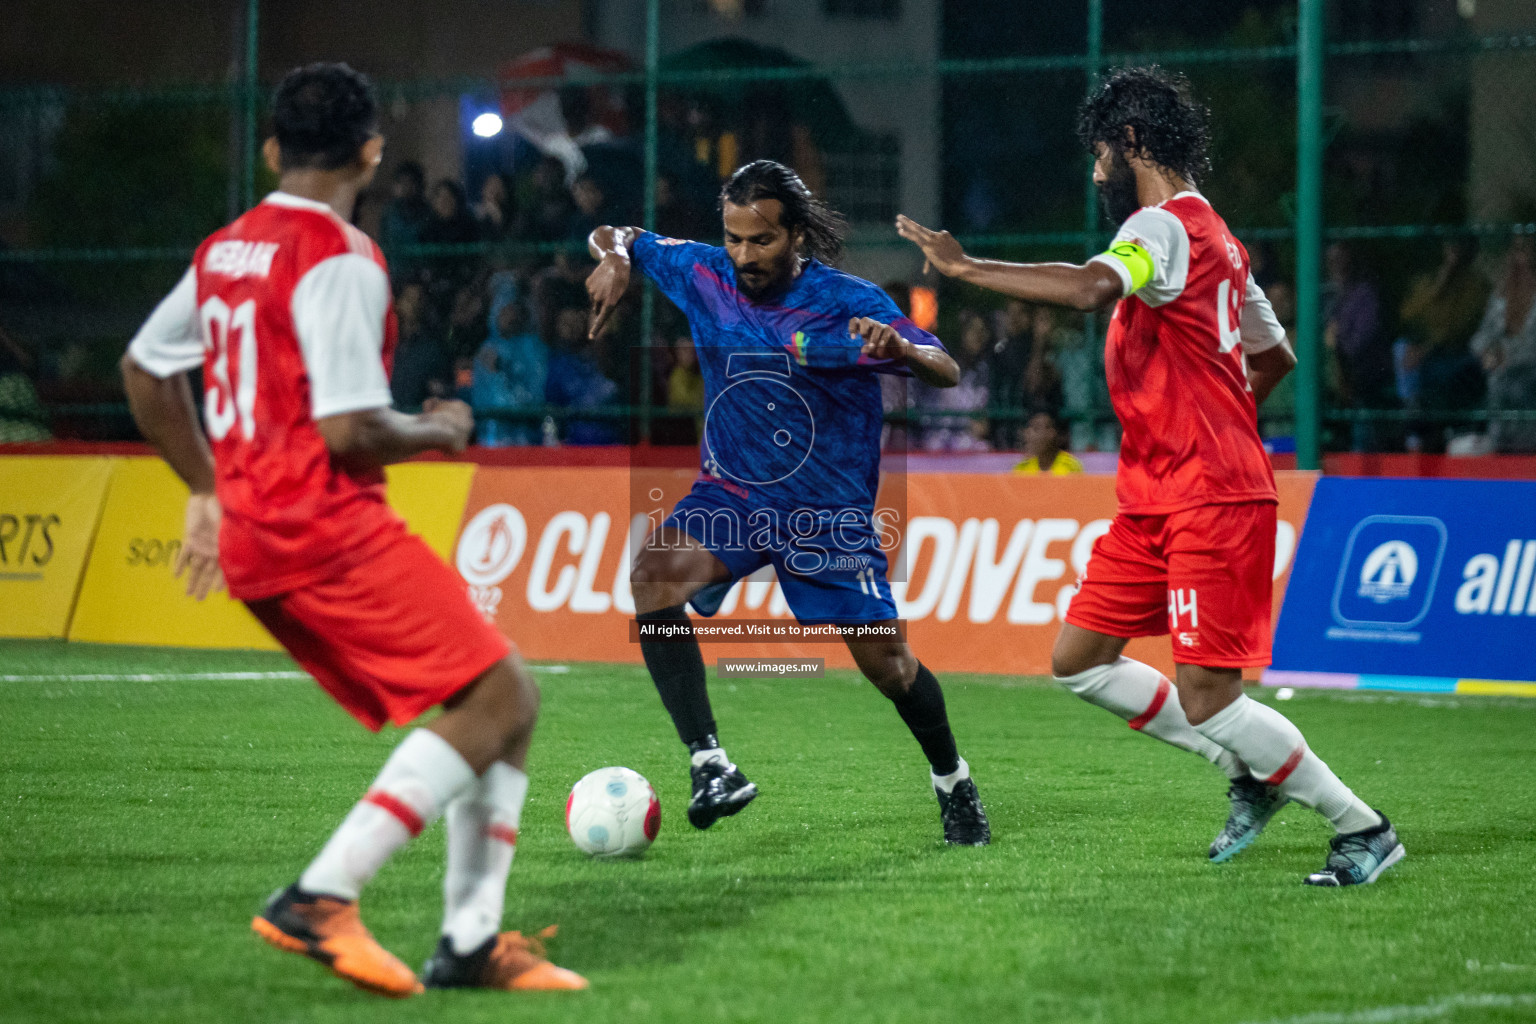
(487, 125)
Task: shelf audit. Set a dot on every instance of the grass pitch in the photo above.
(143, 821)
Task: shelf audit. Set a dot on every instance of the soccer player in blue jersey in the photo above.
(789, 347)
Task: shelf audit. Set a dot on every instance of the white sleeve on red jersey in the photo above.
(1259, 328)
(1163, 236)
(171, 340)
(339, 307)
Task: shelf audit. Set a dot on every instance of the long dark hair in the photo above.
(823, 226)
(1172, 127)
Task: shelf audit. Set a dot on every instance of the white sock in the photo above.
(482, 837)
(1145, 698)
(420, 777)
(946, 783)
(1277, 754)
(712, 754)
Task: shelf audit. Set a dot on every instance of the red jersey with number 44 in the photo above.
(287, 310)
(1174, 361)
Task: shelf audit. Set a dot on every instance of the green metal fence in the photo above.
(1302, 113)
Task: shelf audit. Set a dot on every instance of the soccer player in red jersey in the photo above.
(1193, 347)
(287, 311)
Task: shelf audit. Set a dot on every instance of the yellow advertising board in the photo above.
(431, 497)
(48, 512)
(130, 597)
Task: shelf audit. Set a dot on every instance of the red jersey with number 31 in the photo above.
(287, 310)
(1176, 375)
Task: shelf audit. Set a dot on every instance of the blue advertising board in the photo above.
(1413, 584)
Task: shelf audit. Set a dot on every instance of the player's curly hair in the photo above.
(824, 227)
(322, 114)
(1171, 127)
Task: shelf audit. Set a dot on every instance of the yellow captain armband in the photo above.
(1136, 260)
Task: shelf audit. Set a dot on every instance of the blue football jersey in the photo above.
(792, 407)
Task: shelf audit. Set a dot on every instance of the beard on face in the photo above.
(1118, 193)
(762, 279)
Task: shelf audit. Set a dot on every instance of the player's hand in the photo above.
(199, 554)
(456, 416)
(940, 249)
(606, 286)
(880, 340)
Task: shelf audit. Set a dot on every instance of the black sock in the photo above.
(922, 708)
(677, 668)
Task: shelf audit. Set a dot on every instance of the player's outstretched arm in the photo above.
(607, 284)
(163, 410)
(371, 438)
(1083, 287)
(928, 363)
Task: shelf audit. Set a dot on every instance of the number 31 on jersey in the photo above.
(230, 400)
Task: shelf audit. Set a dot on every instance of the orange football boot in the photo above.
(328, 929)
(510, 961)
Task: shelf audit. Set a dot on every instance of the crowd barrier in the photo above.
(1420, 585)
(1413, 585)
(986, 563)
(984, 573)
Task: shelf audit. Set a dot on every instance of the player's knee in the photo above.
(1066, 662)
(892, 672)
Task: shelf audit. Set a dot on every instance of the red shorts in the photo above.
(1205, 575)
(388, 638)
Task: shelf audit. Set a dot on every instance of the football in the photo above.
(613, 812)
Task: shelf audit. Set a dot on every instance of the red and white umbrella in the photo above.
(534, 111)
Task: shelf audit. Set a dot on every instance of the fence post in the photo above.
(248, 166)
(1309, 231)
(648, 295)
(1090, 191)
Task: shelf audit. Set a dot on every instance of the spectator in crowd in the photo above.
(22, 416)
(592, 208)
(1506, 344)
(405, 218)
(496, 212)
(1353, 333)
(1434, 363)
(452, 223)
(423, 367)
(466, 321)
(1010, 355)
(549, 203)
(576, 380)
(1042, 383)
(685, 384)
(1043, 448)
(510, 373)
(960, 433)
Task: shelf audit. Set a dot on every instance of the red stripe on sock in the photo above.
(505, 833)
(1164, 688)
(1289, 766)
(399, 808)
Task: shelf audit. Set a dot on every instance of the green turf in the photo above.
(142, 822)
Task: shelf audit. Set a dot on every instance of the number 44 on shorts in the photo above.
(1184, 609)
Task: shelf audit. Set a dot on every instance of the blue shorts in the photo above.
(829, 563)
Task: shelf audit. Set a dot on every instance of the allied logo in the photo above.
(1389, 572)
(1386, 580)
(491, 545)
